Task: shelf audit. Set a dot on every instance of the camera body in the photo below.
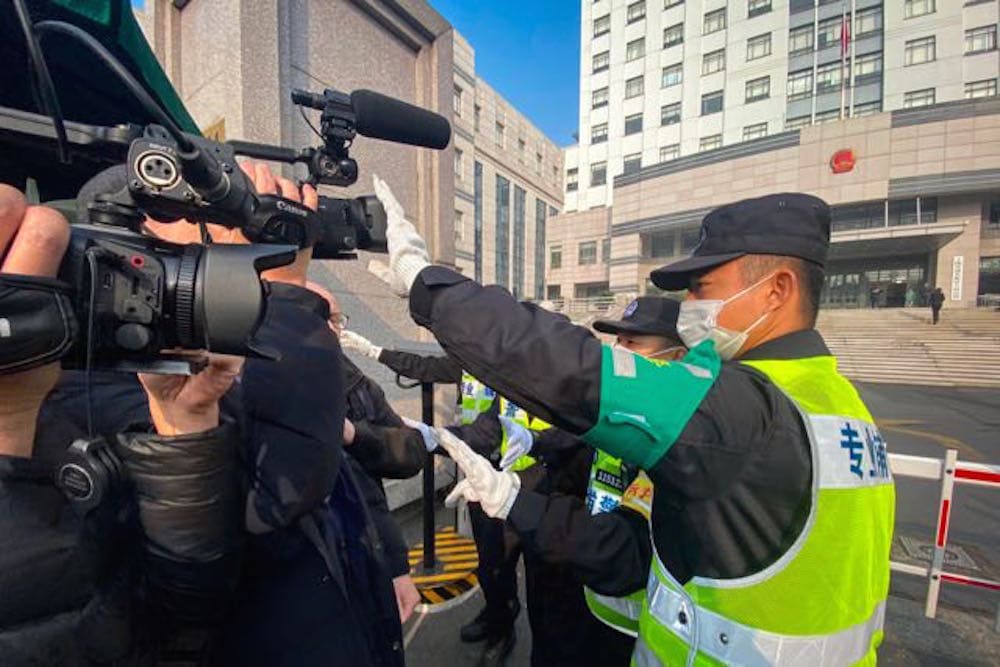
(136, 296)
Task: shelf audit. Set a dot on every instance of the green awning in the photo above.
(88, 92)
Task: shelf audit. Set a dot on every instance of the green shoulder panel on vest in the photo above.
(645, 404)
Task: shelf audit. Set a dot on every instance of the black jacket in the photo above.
(731, 494)
(126, 580)
(384, 447)
(383, 444)
(317, 582)
(437, 369)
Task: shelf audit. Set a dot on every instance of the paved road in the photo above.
(918, 421)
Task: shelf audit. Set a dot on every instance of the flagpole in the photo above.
(843, 56)
(854, 50)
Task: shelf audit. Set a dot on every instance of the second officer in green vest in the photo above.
(773, 508)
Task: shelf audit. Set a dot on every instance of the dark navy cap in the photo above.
(791, 224)
(646, 316)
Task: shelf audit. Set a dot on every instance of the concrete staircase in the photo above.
(901, 346)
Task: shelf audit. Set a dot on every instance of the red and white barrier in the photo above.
(950, 471)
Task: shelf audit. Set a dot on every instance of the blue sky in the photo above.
(529, 51)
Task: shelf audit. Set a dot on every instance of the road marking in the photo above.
(945, 441)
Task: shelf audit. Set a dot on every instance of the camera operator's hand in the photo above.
(407, 596)
(32, 242)
(265, 183)
(407, 251)
(185, 404)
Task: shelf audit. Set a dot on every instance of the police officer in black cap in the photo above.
(772, 501)
(647, 327)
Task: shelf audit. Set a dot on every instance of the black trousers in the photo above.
(499, 550)
(935, 314)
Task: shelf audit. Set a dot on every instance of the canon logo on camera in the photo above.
(292, 208)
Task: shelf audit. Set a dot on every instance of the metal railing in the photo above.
(583, 305)
(950, 471)
(988, 301)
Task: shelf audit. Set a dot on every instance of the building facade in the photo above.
(508, 184)
(235, 62)
(672, 87)
(915, 196)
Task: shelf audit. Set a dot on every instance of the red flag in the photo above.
(845, 35)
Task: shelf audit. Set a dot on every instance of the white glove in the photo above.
(353, 341)
(519, 441)
(426, 432)
(407, 251)
(495, 490)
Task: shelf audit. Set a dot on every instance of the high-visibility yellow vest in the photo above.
(611, 486)
(823, 601)
(477, 398)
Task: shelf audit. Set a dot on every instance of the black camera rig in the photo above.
(135, 295)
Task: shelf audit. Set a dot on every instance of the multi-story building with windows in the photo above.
(508, 183)
(673, 86)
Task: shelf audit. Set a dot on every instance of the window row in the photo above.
(927, 96)
(632, 163)
(924, 49)
(830, 31)
(586, 253)
(757, 47)
(712, 21)
(827, 77)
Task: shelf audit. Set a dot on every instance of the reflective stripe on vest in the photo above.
(823, 600)
(622, 614)
(734, 643)
(608, 477)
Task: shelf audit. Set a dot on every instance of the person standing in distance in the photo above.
(936, 301)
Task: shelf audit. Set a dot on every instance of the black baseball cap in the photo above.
(791, 224)
(645, 316)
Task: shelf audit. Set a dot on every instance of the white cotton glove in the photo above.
(519, 442)
(353, 341)
(426, 432)
(407, 251)
(495, 490)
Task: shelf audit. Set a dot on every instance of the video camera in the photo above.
(135, 295)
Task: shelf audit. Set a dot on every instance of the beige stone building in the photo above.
(508, 183)
(235, 62)
(919, 208)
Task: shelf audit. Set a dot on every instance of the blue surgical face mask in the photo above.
(698, 321)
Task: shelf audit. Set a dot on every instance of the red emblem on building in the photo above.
(843, 161)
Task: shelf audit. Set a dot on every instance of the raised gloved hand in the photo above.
(519, 442)
(353, 341)
(426, 432)
(407, 251)
(494, 490)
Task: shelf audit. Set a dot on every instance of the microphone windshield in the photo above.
(382, 117)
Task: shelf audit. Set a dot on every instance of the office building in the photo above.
(674, 92)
